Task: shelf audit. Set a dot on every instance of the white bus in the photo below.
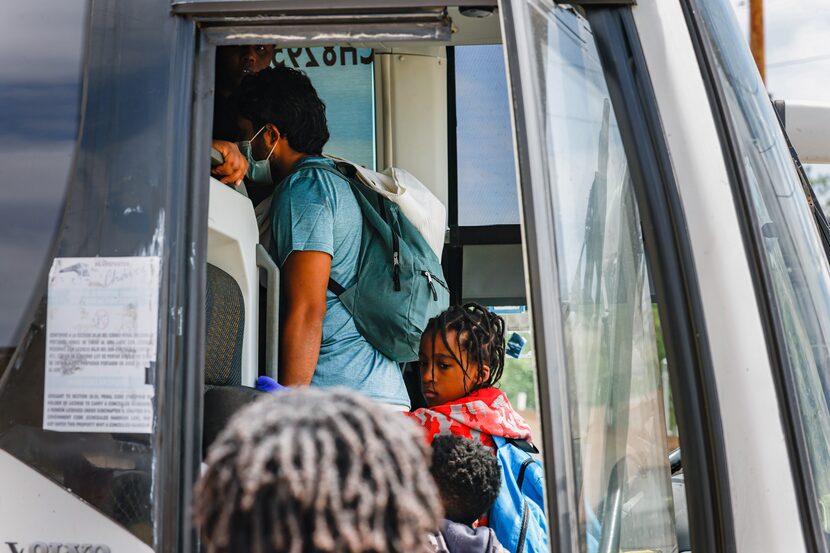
(617, 182)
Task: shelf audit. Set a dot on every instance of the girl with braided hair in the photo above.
(461, 360)
(313, 471)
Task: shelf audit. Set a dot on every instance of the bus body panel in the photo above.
(764, 505)
(42, 512)
(128, 195)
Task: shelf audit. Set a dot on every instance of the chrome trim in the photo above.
(194, 7)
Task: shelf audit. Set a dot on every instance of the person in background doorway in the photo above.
(233, 63)
(316, 229)
(311, 471)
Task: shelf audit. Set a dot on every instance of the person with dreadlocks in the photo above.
(461, 360)
(314, 471)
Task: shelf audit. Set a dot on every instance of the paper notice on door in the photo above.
(101, 333)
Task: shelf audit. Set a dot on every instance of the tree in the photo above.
(820, 182)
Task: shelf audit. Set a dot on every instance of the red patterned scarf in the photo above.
(480, 415)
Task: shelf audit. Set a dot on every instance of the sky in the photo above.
(797, 47)
(797, 54)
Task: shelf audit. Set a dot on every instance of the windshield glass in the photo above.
(796, 270)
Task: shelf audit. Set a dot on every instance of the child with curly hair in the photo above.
(468, 478)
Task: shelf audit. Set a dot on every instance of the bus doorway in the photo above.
(441, 109)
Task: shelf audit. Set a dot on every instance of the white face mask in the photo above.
(259, 172)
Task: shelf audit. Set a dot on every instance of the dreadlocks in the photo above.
(479, 333)
(309, 471)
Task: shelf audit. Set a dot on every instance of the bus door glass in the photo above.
(595, 323)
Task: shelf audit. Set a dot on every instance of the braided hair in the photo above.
(308, 471)
(479, 333)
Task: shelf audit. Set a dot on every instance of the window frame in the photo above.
(467, 235)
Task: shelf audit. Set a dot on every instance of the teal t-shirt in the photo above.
(314, 210)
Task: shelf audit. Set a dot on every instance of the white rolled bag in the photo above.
(417, 202)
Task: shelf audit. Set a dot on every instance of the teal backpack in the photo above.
(400, 285)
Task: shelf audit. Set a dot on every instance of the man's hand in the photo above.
(304, 279)
(233, 170)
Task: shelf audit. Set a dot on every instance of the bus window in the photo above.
(100, 479)
(486, 171)
(344, 79)
(795, 273)
(519, 378)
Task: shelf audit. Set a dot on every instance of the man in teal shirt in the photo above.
(316, 235)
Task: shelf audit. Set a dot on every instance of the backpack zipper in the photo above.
(520, 480)
(432, 279)
(396, 247)
(431, 285)
(396, 263)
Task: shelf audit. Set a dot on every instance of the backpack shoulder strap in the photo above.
(315, 165)
(348, 173)
(524, 445)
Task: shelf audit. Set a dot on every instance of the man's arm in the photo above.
(304, 279)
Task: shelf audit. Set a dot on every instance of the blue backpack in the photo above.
(518, 515)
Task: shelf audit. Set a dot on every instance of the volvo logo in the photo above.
(52, 547)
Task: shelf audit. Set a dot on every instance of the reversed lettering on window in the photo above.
(300, 58)
(101, 332)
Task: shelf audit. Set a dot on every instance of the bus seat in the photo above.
(222, 403)
(232, 241)
(225, 326)
(225, 314)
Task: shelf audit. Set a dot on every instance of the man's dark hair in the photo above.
(286, 98)
(468, 477)
(313, 471)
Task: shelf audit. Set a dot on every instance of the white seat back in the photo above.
(232, 241)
